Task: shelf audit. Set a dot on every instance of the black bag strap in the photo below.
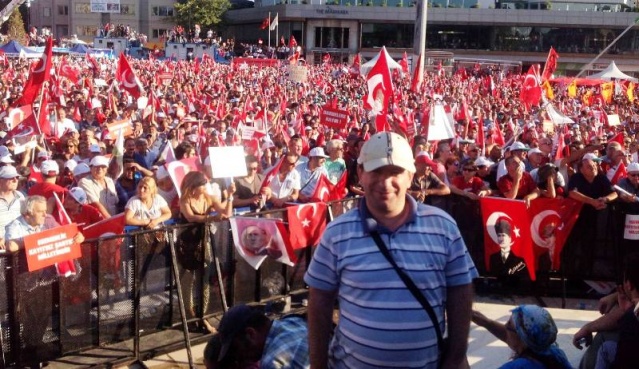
(411, 287)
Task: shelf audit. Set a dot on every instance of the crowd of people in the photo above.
(500, 148)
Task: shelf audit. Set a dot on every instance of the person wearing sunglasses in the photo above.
(248, 192)
(285, 186)
(10, 198)
(468, 184)
(531, 333)
(630, 184)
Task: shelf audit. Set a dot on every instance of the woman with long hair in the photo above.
(147, 208)
(192, 247)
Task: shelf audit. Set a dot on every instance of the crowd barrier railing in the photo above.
(130, 286)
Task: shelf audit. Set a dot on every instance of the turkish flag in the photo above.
(416, 83)
(108, 227)
(380, 90)
(268, 176)
(621, 172)
(292, 42)
(26, 129)
(180, 168)
(508, 221)
(256, 239)
(126, 76)
(93, 63)
(530, 93)
(354, 70)
(551, 64)
(404, 63)
(69, 72)
(498, 136)
(551, 222)
(109, 253)
(65, 268)
(40, 74)
(306, 224)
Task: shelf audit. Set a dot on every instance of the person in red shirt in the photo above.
(48, 186)
(517, 183)
(468, 184)
(76, 206)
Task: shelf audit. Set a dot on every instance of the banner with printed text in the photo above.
(333, 118)
(105, 6)
(52, 246)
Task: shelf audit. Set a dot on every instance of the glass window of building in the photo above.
(127, 9)
(162, 11)
(46, 11)
(82, 8)
(331, 37)
(63, 10)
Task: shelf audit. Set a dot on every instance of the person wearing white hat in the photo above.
(517, 149)
(10, 198)
(100, 189)
(310, 173)
(630, 184)
(76, 205)
(49, 170)
(347, 254)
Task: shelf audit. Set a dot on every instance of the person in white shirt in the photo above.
(62, 124)
(285, 185)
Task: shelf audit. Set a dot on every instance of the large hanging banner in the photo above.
(105, 6)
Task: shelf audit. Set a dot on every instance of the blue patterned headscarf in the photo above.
(536, 328)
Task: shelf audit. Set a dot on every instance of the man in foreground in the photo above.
(381, 323)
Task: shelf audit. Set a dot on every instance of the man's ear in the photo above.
(251, 334)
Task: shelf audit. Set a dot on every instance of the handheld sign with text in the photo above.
(120, 125)
(333, 118)
(52, 246)
(227, 161)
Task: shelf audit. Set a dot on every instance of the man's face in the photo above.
(142, 146)
(129, 147)
(71, 206)
(39, 214)
(98, 171)
(8, 184)
(256, 238)
(588, 169)
(296, 147)
(504, 241)
(513, 165)
(385, 189)
(633, 177)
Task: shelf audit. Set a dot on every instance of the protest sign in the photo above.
(333, 117)
(613, 120)
(631, 228)
(227, 161)
(119, 125)
(248, 133)
(297, 73)
(52, 246)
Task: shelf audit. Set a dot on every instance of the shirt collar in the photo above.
(370, 224)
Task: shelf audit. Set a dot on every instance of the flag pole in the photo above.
(277, 30)
(269, 30)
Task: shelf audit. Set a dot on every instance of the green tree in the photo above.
(15, 27)
(206, 13)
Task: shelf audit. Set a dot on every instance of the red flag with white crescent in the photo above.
(551, 222)
(379, 91)
(306, 223)
(508, 249)
(126, 76)
(530, 93)
(40, 74)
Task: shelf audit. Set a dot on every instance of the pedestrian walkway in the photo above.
(485, 351)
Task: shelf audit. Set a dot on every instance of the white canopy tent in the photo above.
(612, 72)
(392, 64)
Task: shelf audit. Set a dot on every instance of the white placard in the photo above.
(631, 228)
(142, 102)
(297, 73)
(227, 161)
(613, 120)
(248, 132)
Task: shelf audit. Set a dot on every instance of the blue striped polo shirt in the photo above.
(381, 323)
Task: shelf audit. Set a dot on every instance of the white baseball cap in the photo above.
(518, 146)
(80, 169)
(78, 195)
(99, 161)
(6, 159)
(95, 148)
(49, 166)
(535, 151)
(70, 164)
(43, 154)
(4, 151)
(317, 152)
(633, 167)
(591, 156)
(482, 161)
(386, 148)
(8, 171)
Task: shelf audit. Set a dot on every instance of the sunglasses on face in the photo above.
(469, 170)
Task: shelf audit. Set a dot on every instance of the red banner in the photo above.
(52, 246)
(333, 117)
(238, 62)
(507, 245)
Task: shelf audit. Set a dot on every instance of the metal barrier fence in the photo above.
(128, 286)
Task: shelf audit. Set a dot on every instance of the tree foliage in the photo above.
(15, 27)
(206, 13)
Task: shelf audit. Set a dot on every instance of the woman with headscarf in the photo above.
(531, 333)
